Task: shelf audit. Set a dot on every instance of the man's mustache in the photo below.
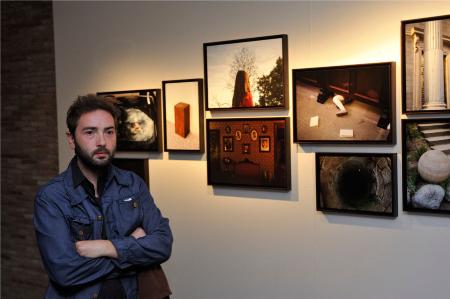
(102, 150)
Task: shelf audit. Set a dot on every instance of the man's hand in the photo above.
(96, 248)
(99, 248)
(138, 233)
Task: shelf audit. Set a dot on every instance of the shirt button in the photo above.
(81, 232)
(95, 296)
(99, 217)
(135, 204)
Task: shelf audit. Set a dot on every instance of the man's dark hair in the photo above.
(89, 103)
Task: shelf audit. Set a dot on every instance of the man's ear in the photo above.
(70, 140)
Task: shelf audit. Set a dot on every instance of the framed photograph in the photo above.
(139, 127)
(426, 65)
(247, 166)
(247, 73)
(426, 165)
(246, 148)
(246, 128)
(356, 183)
(138, 166)
(264, 144)
(238, 135)
(228, 144)
(183, 115)
(254, 134)
(345, 104)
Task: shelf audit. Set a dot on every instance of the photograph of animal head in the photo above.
(139, 120)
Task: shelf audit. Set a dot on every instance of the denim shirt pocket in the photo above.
(81, 228)
(128, 214)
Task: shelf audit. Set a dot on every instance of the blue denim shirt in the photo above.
(64, 214)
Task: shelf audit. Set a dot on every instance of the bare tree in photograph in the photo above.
(244, 60)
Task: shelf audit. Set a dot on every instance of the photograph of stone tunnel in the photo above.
(426, 171)
(344, 104)
(356, 183)
(426, 64)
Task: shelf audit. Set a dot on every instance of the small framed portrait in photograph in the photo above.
(228, 144)
(238, 135)
(228, 129)
(246, 128)
(264, 144)
(254, 135)
(246, 148)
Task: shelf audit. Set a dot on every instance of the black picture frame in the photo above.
(138, 166)
(246, 166)
(356, 183)
(139, 127)
(424, 187)
(250, 73)
(366, 92)
(423, 93)
(183, 97)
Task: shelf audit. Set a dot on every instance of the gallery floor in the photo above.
(361, 118)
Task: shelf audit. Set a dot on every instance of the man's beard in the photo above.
(87, 158)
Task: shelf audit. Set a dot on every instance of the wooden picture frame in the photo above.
(139, 127)
(183, 116)
(250, 73)
(426, 65)
(350, 104)
(246, 166)
(138, 166)
(356, 183)
(426, 165)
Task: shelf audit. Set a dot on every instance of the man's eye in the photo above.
(89, 132)
(110, 132)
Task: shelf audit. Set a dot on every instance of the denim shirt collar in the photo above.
(76, 191)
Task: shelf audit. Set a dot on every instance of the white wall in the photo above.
(233, 243)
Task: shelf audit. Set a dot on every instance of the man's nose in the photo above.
(101, 140)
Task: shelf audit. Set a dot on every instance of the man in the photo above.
(97, 226)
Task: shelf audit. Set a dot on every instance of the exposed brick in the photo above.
(29, 139)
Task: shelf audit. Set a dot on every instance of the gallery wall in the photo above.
(243, 243)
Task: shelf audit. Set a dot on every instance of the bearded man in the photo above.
(97, 226)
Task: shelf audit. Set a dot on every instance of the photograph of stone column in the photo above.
(426, 166)
(356, 183)
(139, 127)
(344, 104)
(426, 65)
(183, 115)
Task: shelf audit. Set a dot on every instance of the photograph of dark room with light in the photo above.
(249, 152)
(343, 104)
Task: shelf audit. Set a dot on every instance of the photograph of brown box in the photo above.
(236, 158)
(183, 115)
(344, 104)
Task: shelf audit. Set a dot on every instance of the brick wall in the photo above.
(29, 147)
